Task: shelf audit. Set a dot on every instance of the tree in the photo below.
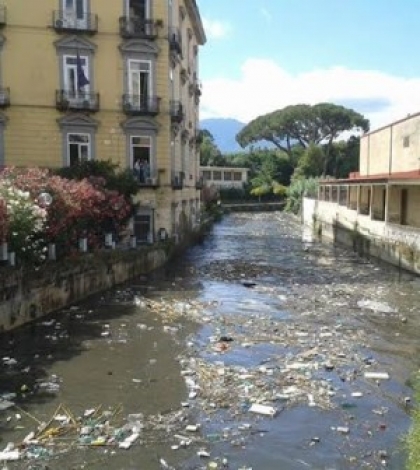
(303, 125)
(311, 163)
(210, 155)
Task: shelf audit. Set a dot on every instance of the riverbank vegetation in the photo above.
(413, 438)
(287, 150)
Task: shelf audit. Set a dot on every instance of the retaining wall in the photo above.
(396, 244)
(27, 294)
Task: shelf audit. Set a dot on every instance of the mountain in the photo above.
(224, 132)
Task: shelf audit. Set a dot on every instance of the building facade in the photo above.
(224, 177)
(107, 80)
(379, 205)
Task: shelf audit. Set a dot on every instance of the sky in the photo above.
(262, 55)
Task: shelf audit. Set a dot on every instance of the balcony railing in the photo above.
(139, 28)
(137, 105)
(178, 180)
(176, 111)
(4, 97)
(175, 41)
(3, 15)
(65, 22)
(145, 177)
(76, 101)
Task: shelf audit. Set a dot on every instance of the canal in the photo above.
(258, 349)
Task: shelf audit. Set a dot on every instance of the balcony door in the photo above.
(138, 9)
(140, 155)
(139, 83)
(75, 13)
(73, 91)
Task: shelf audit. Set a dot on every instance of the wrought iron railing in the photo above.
(76, 101)
(64, 21)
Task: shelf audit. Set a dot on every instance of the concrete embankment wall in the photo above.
(394, 244)
(29, 294)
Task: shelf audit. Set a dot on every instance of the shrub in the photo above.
(297, 190)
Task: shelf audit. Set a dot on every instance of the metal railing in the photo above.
(175, 40)
(138, 105)
(178, 180)
(63, 21)
(146, 177)
(176, 111)
(76, 101)
(138, 28)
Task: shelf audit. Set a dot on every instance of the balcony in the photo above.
(148, 179)
(175, 41)
(178, 180)
(137, 105)
(139, 28)
(76, 101)
(4, 97)
(65, 22)
(176, 111)
(3, 16)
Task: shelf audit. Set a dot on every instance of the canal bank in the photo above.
(393, 243)
(253, 316)
(28, 293)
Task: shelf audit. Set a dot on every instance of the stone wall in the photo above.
(396, 244)
(29, 294)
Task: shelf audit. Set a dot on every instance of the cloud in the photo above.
(215, 29)
(265, 86)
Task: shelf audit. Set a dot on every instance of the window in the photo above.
(227, 176)
(139, 82)
(143, 227)
(406, 141)
(140, 150)
(75, 13)
(237, 176)
(207, 175)
(78, 148)
(217, 175)
(76, 82)
(138, 9)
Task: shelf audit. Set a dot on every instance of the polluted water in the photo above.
(257, 349)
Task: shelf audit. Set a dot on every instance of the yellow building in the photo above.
(107, 80)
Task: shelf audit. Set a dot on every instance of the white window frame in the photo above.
(130, 69)
(70, 14)
(81, 144)
(67, 67)
(150, 147)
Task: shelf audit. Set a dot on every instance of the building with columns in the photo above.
(379, 206)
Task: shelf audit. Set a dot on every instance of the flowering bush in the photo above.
(25, 221)
(37, 208)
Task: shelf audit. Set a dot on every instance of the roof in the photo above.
(355, 178)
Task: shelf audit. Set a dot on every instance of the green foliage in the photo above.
(311, 163)
(210, 154)
(297, 190)
(233, 194)
(303, 125)
(413, 438)
(122, 181)
(279, 189)
(344, 157)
